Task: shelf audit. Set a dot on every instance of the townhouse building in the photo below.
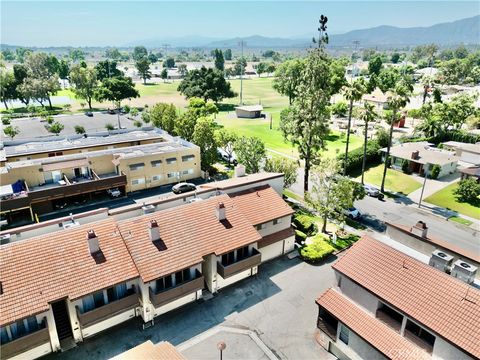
(46, 175)
(387, 305)
(62, 287)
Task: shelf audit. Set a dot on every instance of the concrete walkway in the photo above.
(432, 186)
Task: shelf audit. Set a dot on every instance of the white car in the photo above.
(352, 213)
(183, 187)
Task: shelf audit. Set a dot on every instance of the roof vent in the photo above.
(441, 260)
(415, 154)
(93, 244)
(220, 211)
(154, 230)
(420, 229)
(464, 271)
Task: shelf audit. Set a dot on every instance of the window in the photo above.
(98, 299)
(260, 226)
(32, 324)
(172, 175)
(134, 167)
(277, 221)
(88, 303)
(138, 181)
(171, 160)
(186, 275)
(344, 332)
(156, 177)
(390, 317)
(424, 335)
(186, 158)
(4, 338)
(156, 163)
(178, 277)
(187, 172)
(228, 258)
(58, 153)
(117, 292)
(242, 253)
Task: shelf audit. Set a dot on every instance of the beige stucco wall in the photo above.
(269, 228)
(357, 294)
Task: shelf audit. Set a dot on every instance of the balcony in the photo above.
(185, 288)
(25, 343)
(108, 310)
(15, 202)
(225, 271)
(56, 191)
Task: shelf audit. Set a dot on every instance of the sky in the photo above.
(109, 23)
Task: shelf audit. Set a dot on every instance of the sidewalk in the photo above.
(432, 186)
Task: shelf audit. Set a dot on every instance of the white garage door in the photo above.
(271, 251)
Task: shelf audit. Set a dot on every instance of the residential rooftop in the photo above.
(148, 351)
(436, 300)
(426, 153)
(250, 107)
(473, 148)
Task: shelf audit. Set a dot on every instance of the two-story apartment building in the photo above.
(41, 177)
(59, 288)
(387, 305)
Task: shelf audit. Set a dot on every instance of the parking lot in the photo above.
(278, 306)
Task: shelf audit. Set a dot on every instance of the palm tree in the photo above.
(368, 115)
(397, 99)
(352, 92)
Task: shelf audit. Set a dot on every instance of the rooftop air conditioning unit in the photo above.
(148, 209)
(441, 261)
(464, 271)
(5, 239)
(69, 224)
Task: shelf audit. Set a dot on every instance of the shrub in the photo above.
(435, 171)
(126, 108)
(49, 119)
(339, 109)
(79, 129)
(137, 123)
(134, 112)
(109, 127)
(305, 224)
(5, 120)
(317, 250)
(355, 157)
(300, 237)
(406, 166)
(468, 191)
(382, 137)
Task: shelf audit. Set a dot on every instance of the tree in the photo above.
(240, 66)
(368, 115)
(396, 100)
(84, 83)
(182, 69)
(139, 52)
(375, 65)
(288, 77)
(164, 75)
(117, 89)
(206, 84)
(204, 137)
(20, 73)
(152, 58)
(305, 123)
(164, 117)
(63, 70)
(226, 140)
(339, 109)
(56, 128)
(331, 193)
(352, 92)
(107, 69)
(251, 153)
(395, 58)
(169, 63)
(143, 67)
(21, 54)
(11, 131)
(197, 108)
(77, 55)
(7, 86)
(228, 54)
(113, 53)
(288, 167)
(468, 191)
(261, 68)
(219, 60)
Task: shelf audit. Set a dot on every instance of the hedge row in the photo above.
(453, 135)
(317, 250)
(305, 223)
(355, 157)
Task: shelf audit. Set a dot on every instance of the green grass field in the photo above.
(446, 199)
(395, 180)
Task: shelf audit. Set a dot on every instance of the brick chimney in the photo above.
(220, 211)
(93, 244)
(420, 229)
(415, 154)
(154, 230)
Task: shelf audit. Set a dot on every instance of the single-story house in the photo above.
(418, 154)
(473, 171)
(469, 153)
(249, 111)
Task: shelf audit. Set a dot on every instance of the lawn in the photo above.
(446, 199)
(395, 180)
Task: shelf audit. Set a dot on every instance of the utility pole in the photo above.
(426, 168)
(242, 44)
(165, 49)
(356, 43)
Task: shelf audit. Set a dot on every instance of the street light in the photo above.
(426, 167)
(221, 346)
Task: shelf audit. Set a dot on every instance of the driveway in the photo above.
(278, 305)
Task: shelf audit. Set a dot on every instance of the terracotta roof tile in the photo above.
(261, 204)
(373, 331)
(438, 301)
(188, 233)
(39, 270)
(148, 351)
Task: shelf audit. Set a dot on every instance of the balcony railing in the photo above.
(253, 260)
(25, 343)
(56, 192)
(108, 310)
(13, 203)
(183, 289)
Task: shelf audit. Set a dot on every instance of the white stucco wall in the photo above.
(177, 303)
(221, 282)
(357, 294)
(357, 348)
(442, 350)
(34, 353)
(279, 248)
(447, 169)
(108, 323)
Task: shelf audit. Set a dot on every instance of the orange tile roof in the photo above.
(261, 204)
(188, 232)
(49, 267)
(438, 301)
(148, 351)
(373, 331)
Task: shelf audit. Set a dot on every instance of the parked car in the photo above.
(228, 158)
(89, 113)
(373, 192)
(183, 187)
(352, 213)
(114, 193)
